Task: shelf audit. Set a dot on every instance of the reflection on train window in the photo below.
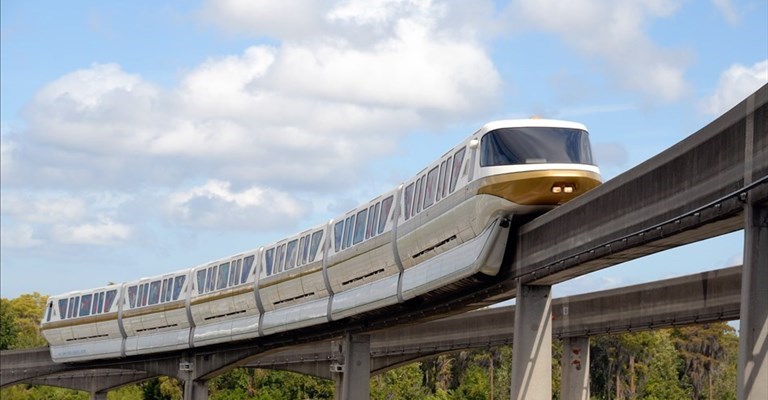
(247, 263)
(72, 306)
(290, 259)
(375, 227)
(280, 258)
(316, 238)
(111, 295)
(85, 305)
(269, 257)
(95, 304)
(445, 179)
(214, 274)
(76, 306)
(63, 308)
(223, 277)
(145, 294)
(305, 251)
(100, 306)
(408, 200)
(132, 296)
(458, 160)
(369, 225)
(178, 283)
(234, 274)
(141, 294)
(429, 190)
(441, 179)
(338, 235)
(360, 226)
(164, 290)
(48, 313)
(386, 206)
(167, 294)
(201, 281)
(417, 198)
(154, 292)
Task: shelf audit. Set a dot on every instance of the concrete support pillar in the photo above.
(195, 390)
(753, 334)
(532, 351)
(352, 382)
(575, 383)
(98, 395)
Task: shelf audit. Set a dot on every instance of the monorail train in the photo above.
(448, 223)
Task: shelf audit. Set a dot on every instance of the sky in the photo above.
(146, 137)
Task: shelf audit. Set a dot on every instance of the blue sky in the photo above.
(145, 137)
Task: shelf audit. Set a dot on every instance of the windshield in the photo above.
(533, 145)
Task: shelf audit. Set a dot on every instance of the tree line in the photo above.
(694, 362)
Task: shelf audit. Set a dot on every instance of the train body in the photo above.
(448, 223)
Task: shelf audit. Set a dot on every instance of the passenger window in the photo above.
(280, 258)
(369, 226)
(447, 176)
(48, 313)
(317, 237)
(429, 191)
(338, 235)
(223, 277)
(441, 179)
(408, 200)
(178, 283)
(302, 246)
(141, 295)
(458, 160)
(360, 226)
(72, 306)
(132, 296)
(234, 274)
(101, 303)
(347, 233)
(63, 308)
(386, 205)
(290, 259)
(111, 294)
(154, 292)
(76, 307)
(201, 281)
(95, 304)
(305, 251)
(212, 283)
(169, 293)
(375, 224)
(417, 204)
(247, 263)
(269, 258)
(85, 305)
(164, 291)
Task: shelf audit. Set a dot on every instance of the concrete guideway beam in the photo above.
(575, 368)
(753, 335)
(532, 352)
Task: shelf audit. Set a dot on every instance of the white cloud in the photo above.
(614, 33)
(21, 236)
(215, 205)
(102, 232)
(44, 209)
(303, 114)
(736, 83)
(726, 8)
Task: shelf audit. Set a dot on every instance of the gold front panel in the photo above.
(535, 187)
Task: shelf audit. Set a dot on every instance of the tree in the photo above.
(702, 349)
(8, 326)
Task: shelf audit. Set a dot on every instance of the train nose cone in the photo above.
(550, 187)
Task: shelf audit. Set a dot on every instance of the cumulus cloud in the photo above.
(215, 205)
(729, 12)
(613, 32)
(101, 232)
(43, 209)
(735, 84)
(21, 236)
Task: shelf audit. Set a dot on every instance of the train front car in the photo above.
(505, 169)
(534, 164)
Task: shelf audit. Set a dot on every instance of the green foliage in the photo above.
(404, 383)
(37, 392)
(8, 327)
